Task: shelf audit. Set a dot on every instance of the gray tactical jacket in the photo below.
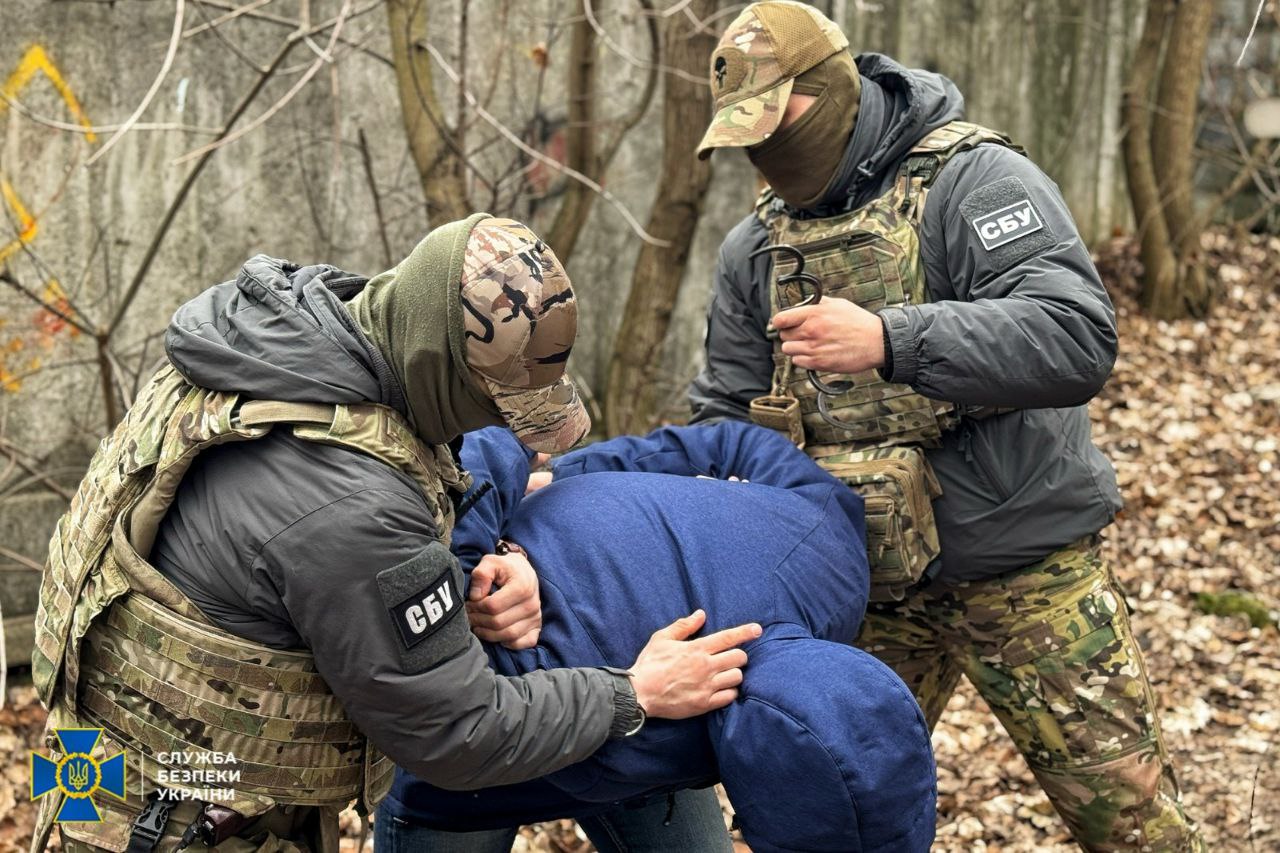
(1017, 319)
(280, 541)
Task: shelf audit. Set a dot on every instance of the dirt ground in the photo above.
(1191, 419)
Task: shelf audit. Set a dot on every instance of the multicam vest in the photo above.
(872, 432)
(119, 647)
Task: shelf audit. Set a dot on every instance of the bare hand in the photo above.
(537, 478)
(834, 336)
(511, 616)
(675, 677)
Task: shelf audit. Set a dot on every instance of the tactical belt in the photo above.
(149, 826)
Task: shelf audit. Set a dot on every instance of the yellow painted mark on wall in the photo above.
(27, 226)
(36, 60)
(49, 320)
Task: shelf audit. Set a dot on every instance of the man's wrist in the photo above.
(628, 716)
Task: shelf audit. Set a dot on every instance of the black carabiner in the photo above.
(824, 410)
(784, 248)
(794, 254)
(832, 389)
(815, 284)
(824, 390)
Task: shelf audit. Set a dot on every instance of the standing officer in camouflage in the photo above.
(911, 302)
(256, 564)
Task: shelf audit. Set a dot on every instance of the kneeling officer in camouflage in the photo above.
(912, 303)
(257, 562)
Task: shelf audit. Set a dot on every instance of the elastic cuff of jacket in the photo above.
(886, 371)
(900, 356)
(625, 705)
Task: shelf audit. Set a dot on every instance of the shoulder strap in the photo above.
(925, 161)
(764, 205)
(376, 430)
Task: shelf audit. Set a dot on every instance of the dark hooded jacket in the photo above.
(1025, 325)
(282, 541)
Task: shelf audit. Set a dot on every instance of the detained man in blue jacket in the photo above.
(825, 749)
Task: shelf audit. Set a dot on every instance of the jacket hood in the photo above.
(897, 107)
(279, 331)
(499, 466)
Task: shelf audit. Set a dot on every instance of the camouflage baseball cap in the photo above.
(754, 65)
(521, 318)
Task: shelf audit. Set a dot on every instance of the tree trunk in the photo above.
(435, 146)
(632, 393)
(1158, 262)
(1166, 72)
(580, 140)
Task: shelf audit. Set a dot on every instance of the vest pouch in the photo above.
(897, 486)
(781, 414)
(870, 258)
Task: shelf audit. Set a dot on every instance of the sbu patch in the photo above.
(426, 611)
(423, 598)
(1007, 224)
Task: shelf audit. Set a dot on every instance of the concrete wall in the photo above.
(1049, 72)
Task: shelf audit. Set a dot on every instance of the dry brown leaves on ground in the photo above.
(1191, 420)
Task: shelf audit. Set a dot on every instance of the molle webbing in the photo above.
(73, 579)
(166, 684)
(870, 256)
(120, 647)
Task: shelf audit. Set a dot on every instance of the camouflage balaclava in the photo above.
(800, 160)
(477, 324)
(770, 50)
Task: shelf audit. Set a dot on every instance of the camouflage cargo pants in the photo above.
(1050, 649)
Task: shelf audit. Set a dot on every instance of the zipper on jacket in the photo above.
(965, 445)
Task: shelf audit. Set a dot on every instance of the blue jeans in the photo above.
(696, 826)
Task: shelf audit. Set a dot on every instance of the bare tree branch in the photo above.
(48, 482)
(68, 317)
(377, 199)
(580, 141)
(214, 23)
(295, 25)
(223, 37)
(283, 101)
(515, 140)
(626, 56)
(632, 395)
(1262, 4)
(25, 563)
(432, 142)
(174, 40)
(68, 127)
(174, 206)
(646, 95)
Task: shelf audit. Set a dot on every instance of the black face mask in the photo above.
(800, 161)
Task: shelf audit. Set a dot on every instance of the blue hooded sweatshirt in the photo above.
(825, 748)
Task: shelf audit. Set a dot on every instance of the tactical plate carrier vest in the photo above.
(119, 647)
(872, 434)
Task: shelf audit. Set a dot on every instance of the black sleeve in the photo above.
(377, 599)
(739, 364)
(1021, 317)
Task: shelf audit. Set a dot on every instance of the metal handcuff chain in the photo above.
(825, 390)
